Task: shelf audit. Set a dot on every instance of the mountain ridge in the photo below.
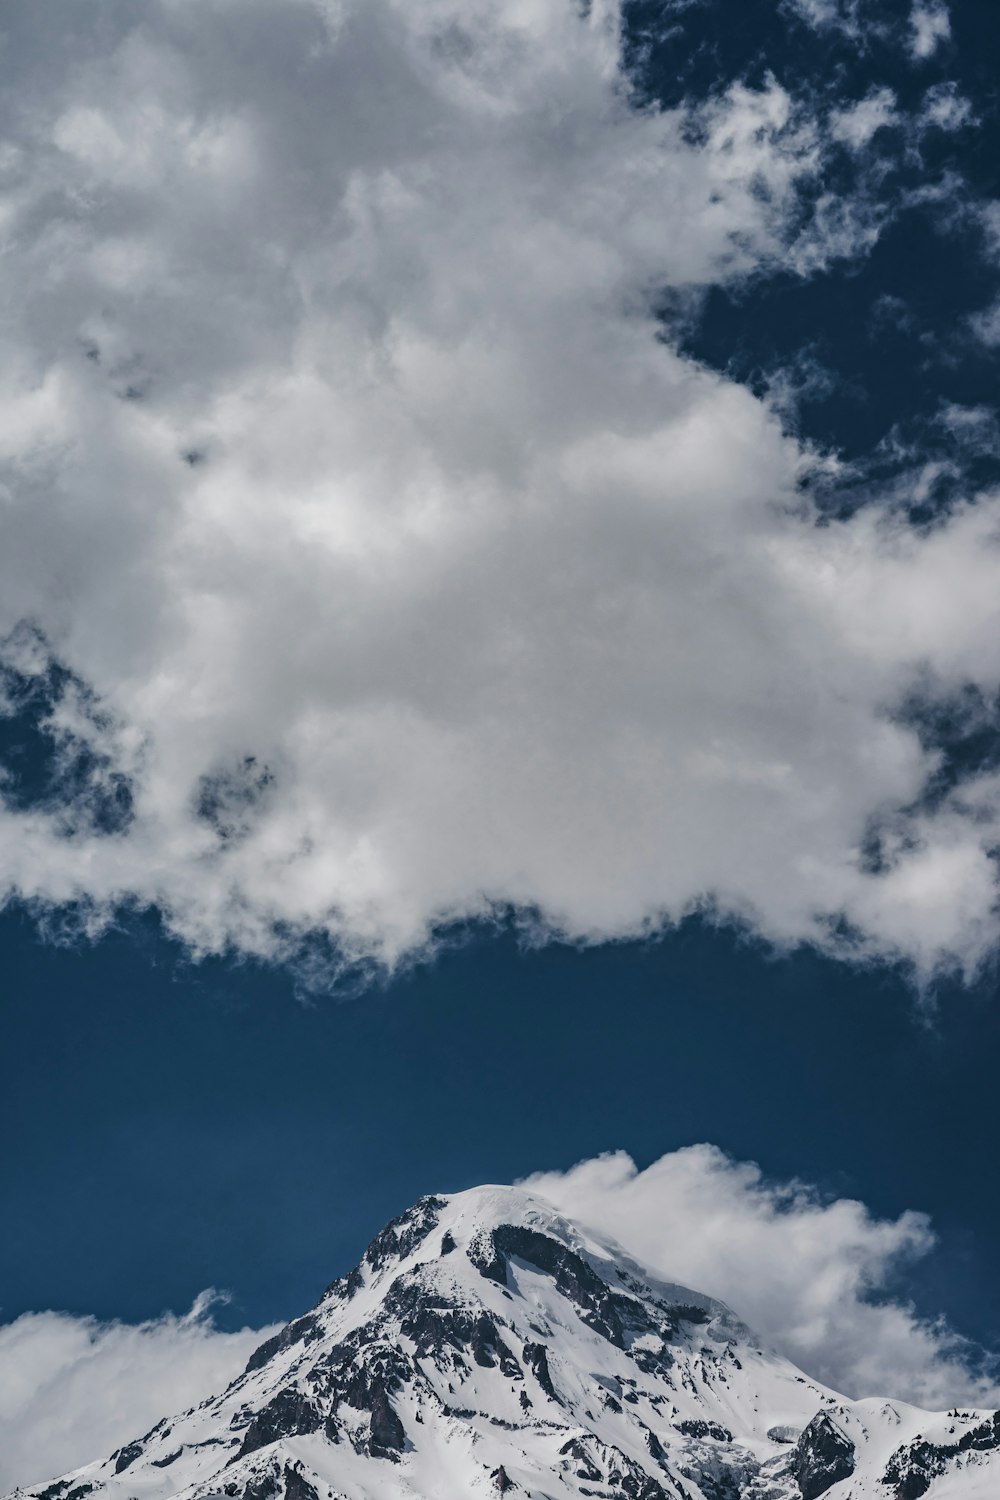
(485, 1344)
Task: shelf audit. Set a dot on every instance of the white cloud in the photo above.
(344, 460)
(930, 25)
(945, 108)
(821, 14)
(986, 325)
(73, 1389)
(810, 1274)
(856, 124)
(929, 22)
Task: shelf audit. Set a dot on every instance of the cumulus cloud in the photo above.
(857, 123)
(945, 108)
(373, 560)
(810, 1274)
(930, 25)
(73, 1389)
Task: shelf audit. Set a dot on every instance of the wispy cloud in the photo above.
(843, 15)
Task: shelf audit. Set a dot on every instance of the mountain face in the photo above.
(486, 1346)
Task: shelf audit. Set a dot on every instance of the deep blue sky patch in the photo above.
(172, 1127)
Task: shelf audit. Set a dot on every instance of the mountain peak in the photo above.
(485, 1344)
(481, 1221)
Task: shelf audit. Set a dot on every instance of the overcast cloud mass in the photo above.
(396, 565)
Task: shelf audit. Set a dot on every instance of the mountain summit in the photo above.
(485, 1345)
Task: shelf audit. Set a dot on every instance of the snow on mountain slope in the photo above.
(485, 1345)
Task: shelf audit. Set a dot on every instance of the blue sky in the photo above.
(203, 1126)
(499, 647)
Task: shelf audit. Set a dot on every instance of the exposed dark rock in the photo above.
(487, 1257)
(489, 1349)
(632, 1480)
(263, 1352)
(126, 1456)
(655, 1446)
(297, 1487)
(171, 1458)
(638, 1485)
(397, 1240)
(694, 1428)
(502, 1480)
(402, 1235)
(388, 1435)
(982, 1438)
(586, 1468)
(910, 1479)
(686, 1312)
(434, 1329)
(302, 1331)
(264, 1487)
(434, 1325)
(537, 1360)
(635, 1318)
(447, 1242)
(721, 1483)
(345, 1287)
(653, 1361)
(912, 1468)
(159, 1427)
(484, 1341)
(597, 1306)
(823, 1455)
(366, 1385)
(288, 1414)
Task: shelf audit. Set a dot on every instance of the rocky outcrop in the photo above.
(823, 1455)
(597, 1304)
(912, 1468)
(402, 1235)
(288, 1414)
(696, 1428)
(302, 1331)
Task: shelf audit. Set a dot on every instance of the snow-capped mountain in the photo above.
(485, 1345)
